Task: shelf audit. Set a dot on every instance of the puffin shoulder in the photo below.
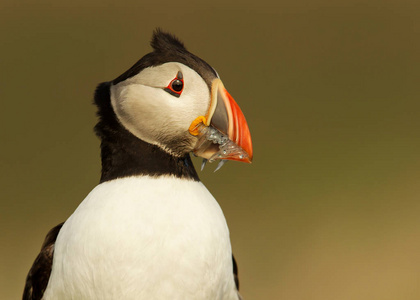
(39, 274)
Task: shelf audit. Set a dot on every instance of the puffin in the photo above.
(150, 229)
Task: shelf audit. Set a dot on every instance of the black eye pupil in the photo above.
(177, 85)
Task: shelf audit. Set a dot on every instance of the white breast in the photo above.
(144, 238)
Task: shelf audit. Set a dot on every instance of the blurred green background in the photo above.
(331, 91)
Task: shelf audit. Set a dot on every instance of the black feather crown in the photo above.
(164, 41)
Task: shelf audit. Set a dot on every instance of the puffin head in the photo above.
(176, 101)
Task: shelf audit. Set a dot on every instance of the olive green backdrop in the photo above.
(330, 207)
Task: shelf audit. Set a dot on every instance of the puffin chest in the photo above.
(144, 236)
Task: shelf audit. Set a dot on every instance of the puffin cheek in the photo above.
(141, 118)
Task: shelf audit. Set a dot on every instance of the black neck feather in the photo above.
(123, 154)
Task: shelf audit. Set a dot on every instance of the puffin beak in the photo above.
(223, 133)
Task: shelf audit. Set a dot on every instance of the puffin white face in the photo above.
(159, 104)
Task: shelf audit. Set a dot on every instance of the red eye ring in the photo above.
(176, 86)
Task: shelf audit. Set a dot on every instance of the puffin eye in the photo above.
(176, 86)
